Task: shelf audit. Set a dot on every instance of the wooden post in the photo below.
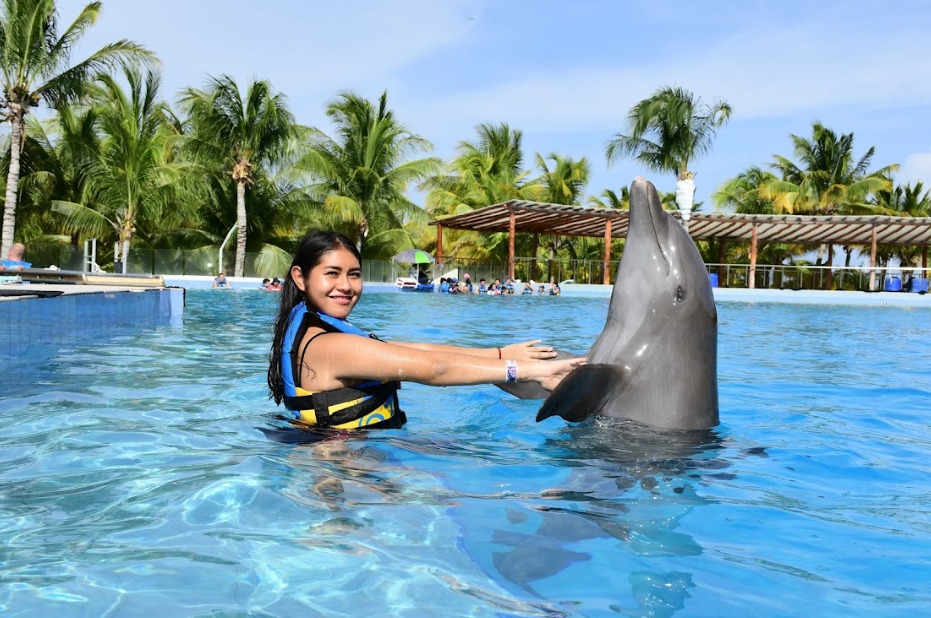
(534, 247)
(751, 279)
(830, 266)
(439, 253)
(873, 259)
(607, 269)
(511, 232)
(924, 262)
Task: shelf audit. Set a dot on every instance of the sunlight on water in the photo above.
(135, 480)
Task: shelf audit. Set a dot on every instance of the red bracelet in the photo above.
(499, 353)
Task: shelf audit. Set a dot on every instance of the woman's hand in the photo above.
(553, 372)
(528, 351)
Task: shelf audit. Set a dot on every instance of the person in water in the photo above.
(329, 373)
(220, 281)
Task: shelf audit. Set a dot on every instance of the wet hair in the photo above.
(309, 253)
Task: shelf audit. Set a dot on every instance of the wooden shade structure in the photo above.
(536, 217)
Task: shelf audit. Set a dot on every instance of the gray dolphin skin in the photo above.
(655, 362)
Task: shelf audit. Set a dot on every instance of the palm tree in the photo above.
(826, 180)
(55, 160)
(667, 131)
(34, 62)
(564, 184)
(238, 135)
(612, 199)
(910, 201)
(130, 183)
(361, 175)
(743, 193)
(486, 171)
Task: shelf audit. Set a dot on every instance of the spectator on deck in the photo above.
(14, 260)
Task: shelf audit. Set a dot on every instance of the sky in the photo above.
(566, 74)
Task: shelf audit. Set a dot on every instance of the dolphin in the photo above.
(655, 362)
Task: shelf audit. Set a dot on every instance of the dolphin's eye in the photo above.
(680, 294)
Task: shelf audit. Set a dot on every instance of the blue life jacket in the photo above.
(371, 403)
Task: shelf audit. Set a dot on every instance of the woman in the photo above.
(329, 373)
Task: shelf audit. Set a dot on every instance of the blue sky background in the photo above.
(567, 73)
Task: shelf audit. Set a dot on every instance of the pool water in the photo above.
(135, 480)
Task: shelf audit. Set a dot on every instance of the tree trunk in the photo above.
(126, 234)
(363, 234)
(722, 255)
(17, 113)
(240, 228)
(848, 250)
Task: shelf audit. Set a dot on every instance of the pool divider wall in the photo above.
(28, 322)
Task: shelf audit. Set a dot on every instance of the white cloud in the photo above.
(763, 61)
(766, 71)
(916, 168)
(761, 71)
(299, 46)
(566, 76)
(555, 102)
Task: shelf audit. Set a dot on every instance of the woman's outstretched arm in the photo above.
(335, 360)
(525, 350)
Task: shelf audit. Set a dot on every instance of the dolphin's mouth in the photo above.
(656, 236)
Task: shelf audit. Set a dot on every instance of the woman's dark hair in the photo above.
(309, 253)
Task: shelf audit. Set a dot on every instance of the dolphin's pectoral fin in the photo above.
(524, 390)
(581, 393)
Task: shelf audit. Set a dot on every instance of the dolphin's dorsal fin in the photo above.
(582, 393)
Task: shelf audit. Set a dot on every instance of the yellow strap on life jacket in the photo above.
(382, 413)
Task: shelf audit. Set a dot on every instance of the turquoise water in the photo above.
(134, 480)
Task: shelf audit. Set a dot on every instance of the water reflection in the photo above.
(593, 512)
(627, 490)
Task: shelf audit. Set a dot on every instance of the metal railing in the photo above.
(772, 276)
(589, 271)
(817, 277)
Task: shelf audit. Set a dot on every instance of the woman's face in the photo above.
(334, 285)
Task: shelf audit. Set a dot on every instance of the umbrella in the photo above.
(413, 256)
